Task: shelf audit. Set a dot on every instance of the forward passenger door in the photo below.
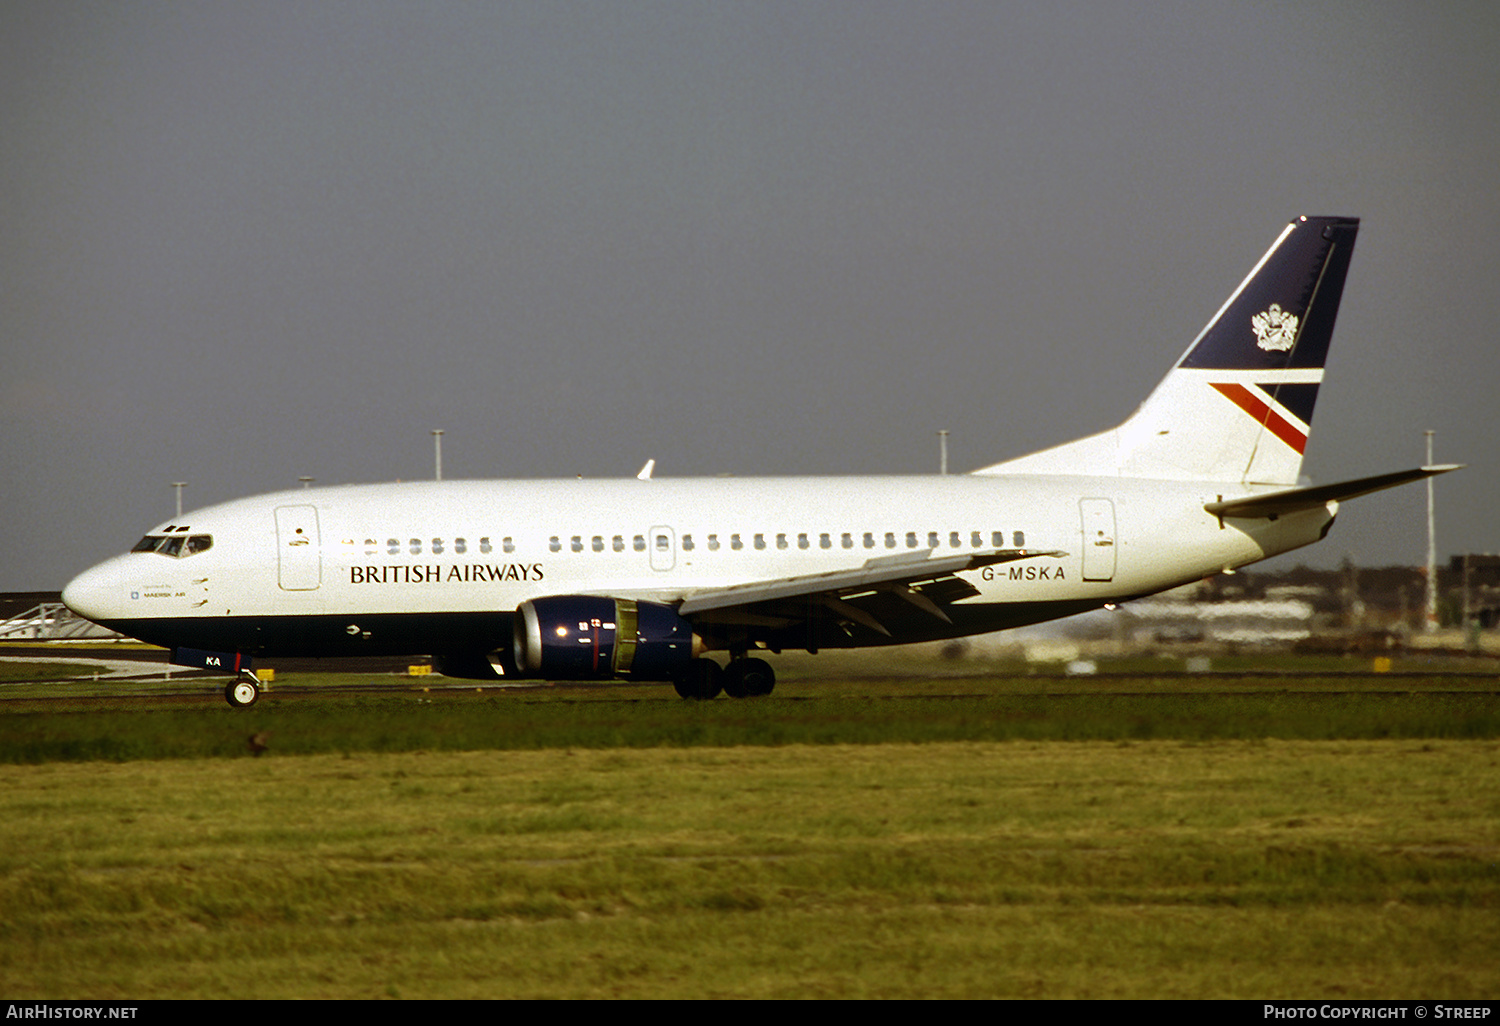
(299, 553)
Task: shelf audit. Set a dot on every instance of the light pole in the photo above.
(942, 452)
(179, 485)
(1431, 611)
(437, 451)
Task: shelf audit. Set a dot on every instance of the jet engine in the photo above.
(476, 665)
(583, 637)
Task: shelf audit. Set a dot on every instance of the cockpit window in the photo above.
(176, 546)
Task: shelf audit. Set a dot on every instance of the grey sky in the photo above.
(246, 242)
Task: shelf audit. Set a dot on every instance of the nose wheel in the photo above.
(243, 691)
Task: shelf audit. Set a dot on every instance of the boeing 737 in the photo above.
(643, 578)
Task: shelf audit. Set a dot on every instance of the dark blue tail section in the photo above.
(1238, 406)
(1282, 315)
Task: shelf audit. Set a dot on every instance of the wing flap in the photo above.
(909, 570)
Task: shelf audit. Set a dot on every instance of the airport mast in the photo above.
(1431, 610)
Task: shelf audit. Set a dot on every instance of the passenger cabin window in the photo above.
(416, 546)
(869, 539)
(1019, 538)
(848, 540)
(911, 539)
(507, 543)
(554, 544)
(618, 543)
(371, 546)
(460, 546)
(484, 545)
(577, 543)
(802, 541)
(735, 543)
(437, 546)
(760, 541)
(598, 543)
(687, 543)
(393, 546)
(639, 543)
(713, 543)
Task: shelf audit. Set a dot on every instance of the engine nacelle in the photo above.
(584, 637)
(476, 665)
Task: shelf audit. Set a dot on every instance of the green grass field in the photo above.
(1119, 840)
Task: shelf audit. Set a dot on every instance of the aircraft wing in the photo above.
(920, 578)
(1274, 504)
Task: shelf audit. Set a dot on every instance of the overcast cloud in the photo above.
(248, 242)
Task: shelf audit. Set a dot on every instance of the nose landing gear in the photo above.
(243, 691)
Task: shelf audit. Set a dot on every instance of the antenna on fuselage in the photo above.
(645, 474)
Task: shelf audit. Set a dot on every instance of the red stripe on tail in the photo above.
(1265, 415)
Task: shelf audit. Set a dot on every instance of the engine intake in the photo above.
(584, 637)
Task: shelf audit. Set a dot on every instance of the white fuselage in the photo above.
(358, 560)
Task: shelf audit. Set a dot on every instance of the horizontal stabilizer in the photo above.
(1278, 503)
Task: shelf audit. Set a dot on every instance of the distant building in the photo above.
(1472, 584)
(1246, 622)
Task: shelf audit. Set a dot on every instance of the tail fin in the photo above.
(1238, 406)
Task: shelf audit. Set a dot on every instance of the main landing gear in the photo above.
(243, 691)
(742, 678)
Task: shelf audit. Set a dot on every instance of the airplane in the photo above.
(643, 578)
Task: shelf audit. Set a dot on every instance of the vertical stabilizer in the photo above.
(1238, 406)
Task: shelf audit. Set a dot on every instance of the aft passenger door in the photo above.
(1098, 539)
(299, 554)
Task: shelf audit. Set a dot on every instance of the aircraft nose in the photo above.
(95, 593)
